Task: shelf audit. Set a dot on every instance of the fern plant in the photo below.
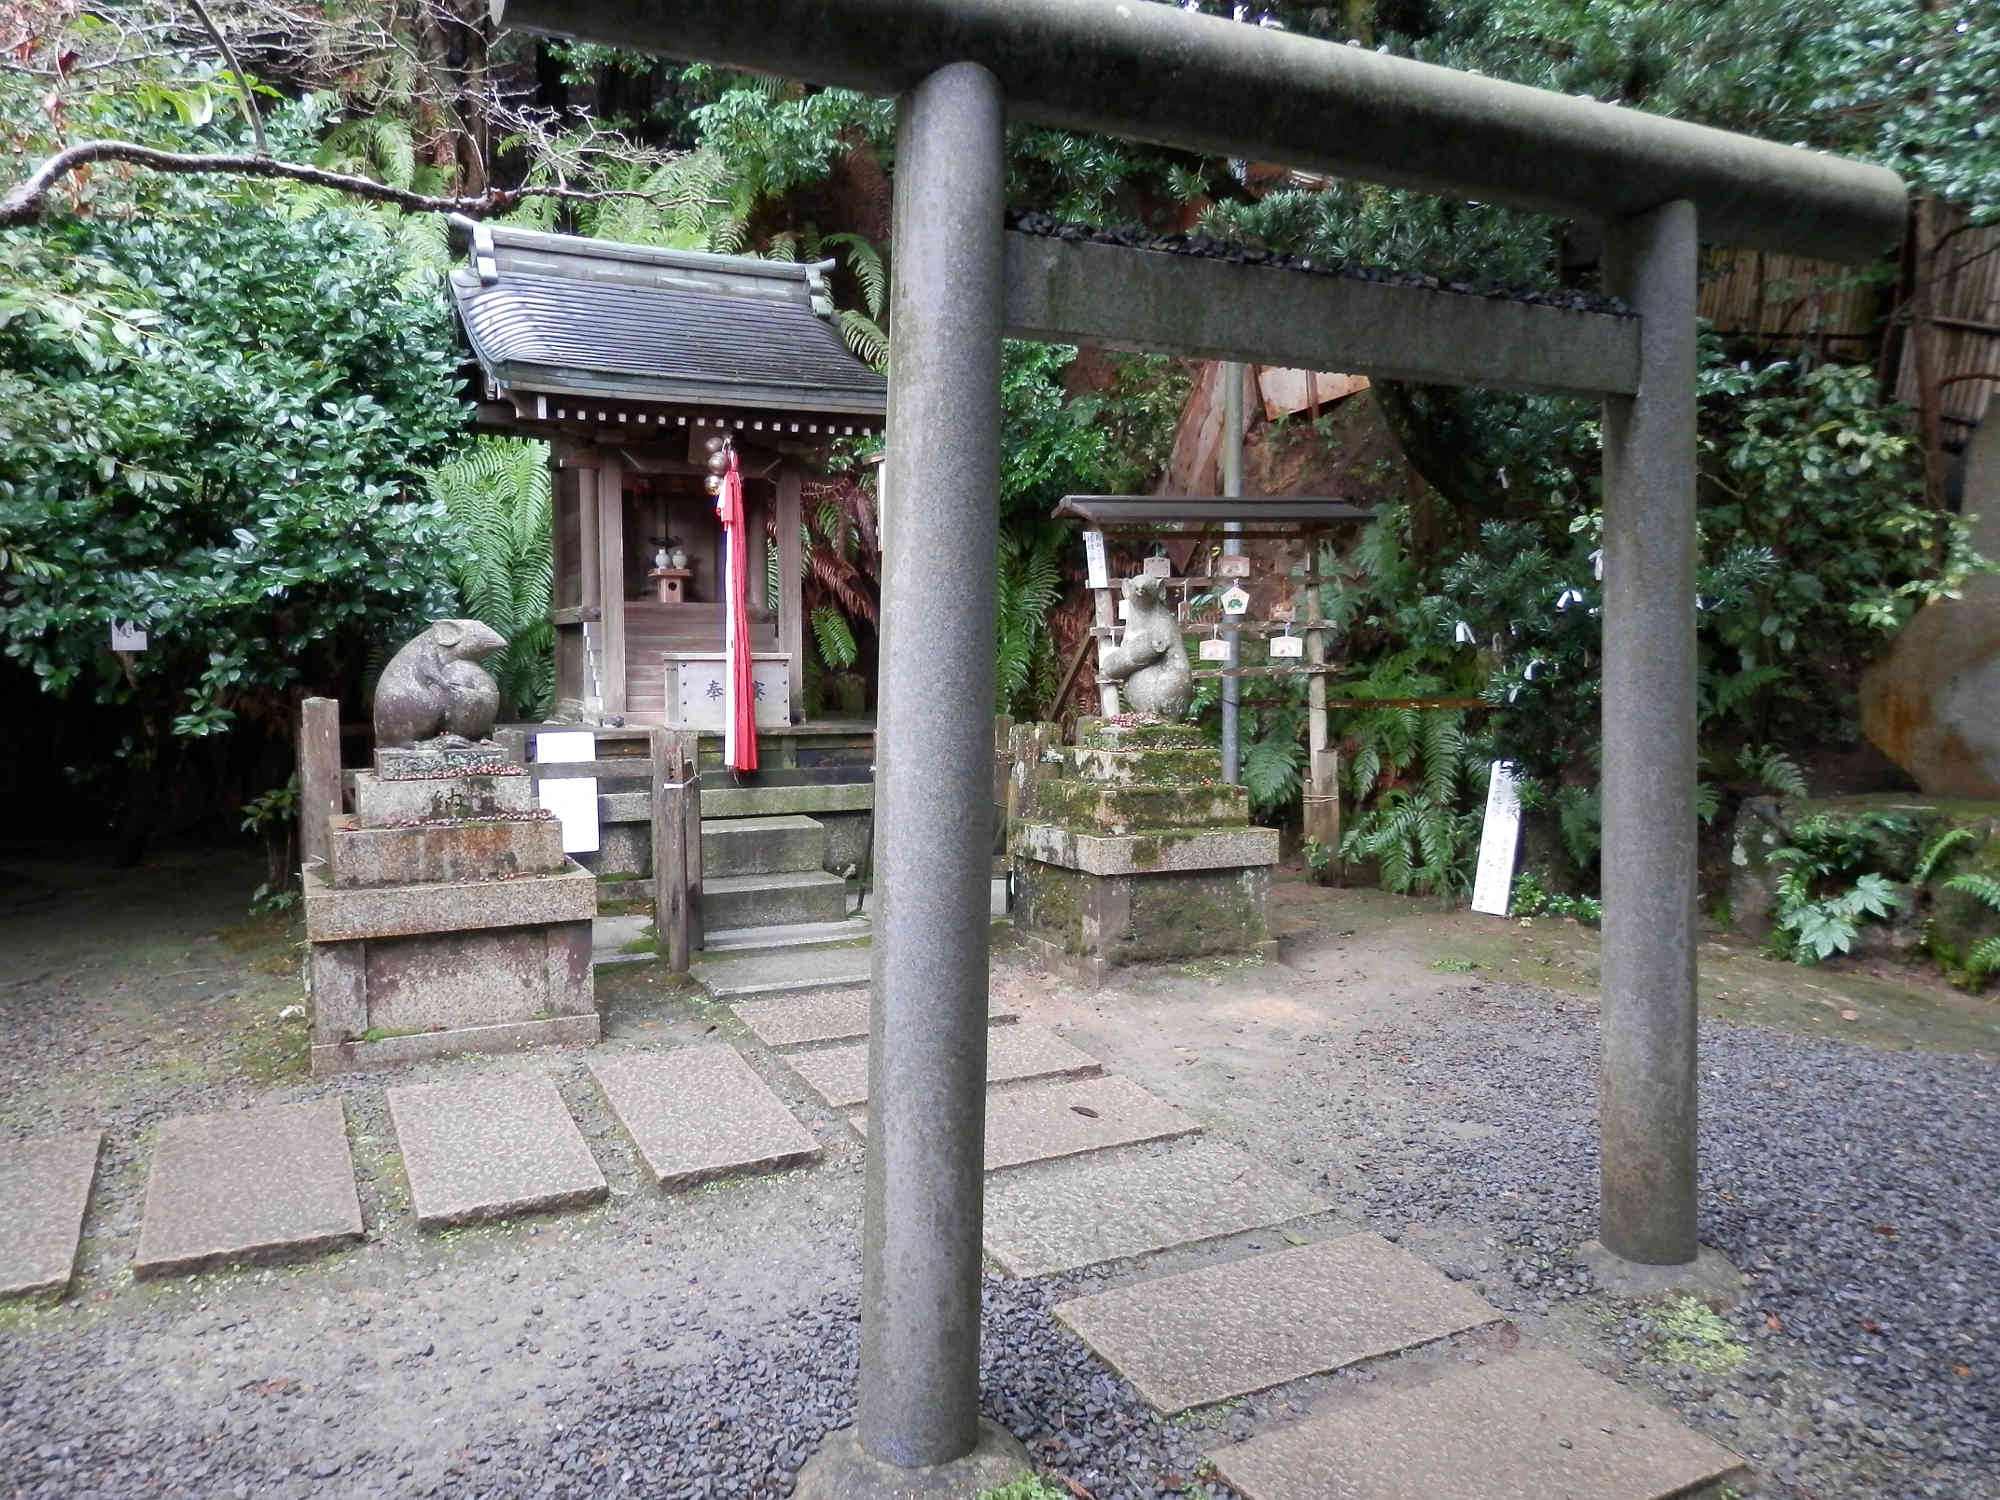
(1985, 955)
(498, 495)
(1827, 890)
(1028, 587)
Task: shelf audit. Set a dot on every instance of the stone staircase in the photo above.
(768, 872)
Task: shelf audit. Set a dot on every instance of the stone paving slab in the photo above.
(1068, 1119)
(1537, 1426)
(789, 1021)
(44, 1188)
(780, 970)
(839, 1075)
(491, 1148)
(1082, 1211)
(1247, 1325)
(697, 1113)
(249, 1184)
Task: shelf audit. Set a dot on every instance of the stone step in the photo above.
(718, 940)
(1537, 1424)
(44, 1189)
(247, 1184)
(839, 1075)
(761, 846)
(1136, 767)
(785, 970)
(796, 1020)
(1227, 1330)
(767, 900)
(698, 1113)
(491, 1148)
(1085, 1210)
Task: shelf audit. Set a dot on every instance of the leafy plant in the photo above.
(498, 494)
(1531, 898)
(1827, 889)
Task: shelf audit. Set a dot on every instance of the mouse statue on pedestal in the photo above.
(436, 687)
(1150, 663)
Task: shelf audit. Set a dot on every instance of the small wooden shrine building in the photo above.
(628, 359)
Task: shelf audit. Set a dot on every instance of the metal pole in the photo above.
(1232, 546)
(1647, 1079)
(919, 1394)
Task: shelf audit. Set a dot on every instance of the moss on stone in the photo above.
(1142, 734)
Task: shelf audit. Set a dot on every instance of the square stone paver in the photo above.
(1537, 1426)
(790, 1020)
(44, 1188)
(1067, 1119)
(697, 1113)
(839, 1075)
(490, 1149)
(250, 1184)
(1080, 1211)
(1231, 1329)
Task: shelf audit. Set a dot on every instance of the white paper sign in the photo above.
(1493, 886)
(1093, 560)
(1158, 567)
(565, 745)
(125, 636)
(1124, 608)
(1288, 645)
(573, 799)
(1214, 650)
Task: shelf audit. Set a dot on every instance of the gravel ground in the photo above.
(642, 1348)
(1853, 1187)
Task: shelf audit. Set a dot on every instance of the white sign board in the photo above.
(1234, 600)
(573, 799)
(125, 636)
(1232, 567)
(1158, 567)
(1288, 645)
(1214, 650)
(1093, 560)
(1493, 886)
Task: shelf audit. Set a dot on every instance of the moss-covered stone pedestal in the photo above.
(447, 918)
(1140, 852)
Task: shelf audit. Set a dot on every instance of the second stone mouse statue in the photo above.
(1150, 663)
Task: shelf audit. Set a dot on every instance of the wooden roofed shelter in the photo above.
(628, 359)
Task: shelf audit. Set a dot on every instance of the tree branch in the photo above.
(28, 200)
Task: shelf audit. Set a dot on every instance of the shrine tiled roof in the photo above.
(569, 316)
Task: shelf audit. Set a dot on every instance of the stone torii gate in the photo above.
(1158, 74)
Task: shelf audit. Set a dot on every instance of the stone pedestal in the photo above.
(1140, 852)
(447, 918)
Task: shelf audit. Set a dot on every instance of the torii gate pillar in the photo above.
(917, 1426)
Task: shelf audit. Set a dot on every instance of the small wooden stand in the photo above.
(671, 583)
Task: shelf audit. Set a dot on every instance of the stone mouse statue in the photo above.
(1150, 662)
(435, 686)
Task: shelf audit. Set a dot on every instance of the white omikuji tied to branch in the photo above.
(739, 740)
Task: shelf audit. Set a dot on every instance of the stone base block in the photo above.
(1709, 1276)
(428, 853)
(1106, 807)
(1147, 851)
(1086, 925)
(335, 1058)
(1137, 732)
(843, 1470)
(440, 758)
(390, 802)
(443, 992)
(1135, 767)
(343, 914)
